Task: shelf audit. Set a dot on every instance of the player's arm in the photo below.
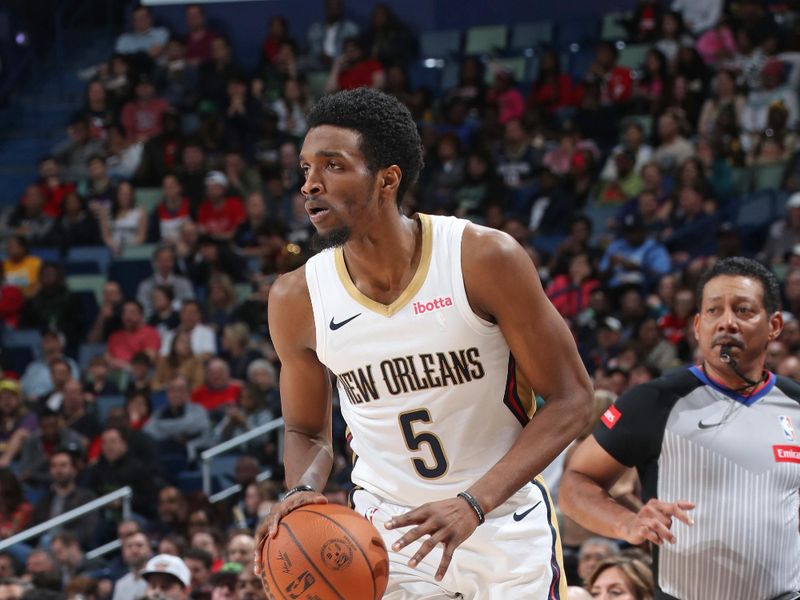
(503, 286)
(305, 396)
(583, 496)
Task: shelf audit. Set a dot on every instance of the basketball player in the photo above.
(438, 332)
(718, 454)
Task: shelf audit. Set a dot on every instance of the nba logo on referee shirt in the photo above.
(788, 429)
(611, 417)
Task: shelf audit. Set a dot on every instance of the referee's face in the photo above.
(733, 314)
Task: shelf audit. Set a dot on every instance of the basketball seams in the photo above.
(269, 564)
(311, 562)
(352, 538)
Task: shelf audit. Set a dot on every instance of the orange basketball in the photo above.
(325, 552)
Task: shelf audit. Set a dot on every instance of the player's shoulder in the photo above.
(289, 288)
(487, 242)
(788, 386)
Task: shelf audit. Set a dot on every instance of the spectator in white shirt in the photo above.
(164, 274)
(204, 342)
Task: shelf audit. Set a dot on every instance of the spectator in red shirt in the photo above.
(142, 117)
(569, 292)
(616, 83)
(219, 215)
(53, 187)
(198, 40)
(552, 89)
(15, 511)
(11, 301)
(173, 211)
(353, 69)
(219, 390)
(134, 337)
(277, 33)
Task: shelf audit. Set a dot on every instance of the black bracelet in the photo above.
(298, 488)
(475, 506)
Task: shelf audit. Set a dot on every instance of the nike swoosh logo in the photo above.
(520, 516)
(334, 326)
(702, 425)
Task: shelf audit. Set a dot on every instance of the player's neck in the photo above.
(387, 254)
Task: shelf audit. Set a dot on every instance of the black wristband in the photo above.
(298, 488)
(475, 506)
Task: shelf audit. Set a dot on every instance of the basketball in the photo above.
(326, 552)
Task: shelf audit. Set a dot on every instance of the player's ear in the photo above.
(390, 179)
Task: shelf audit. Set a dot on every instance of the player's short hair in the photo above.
(738, 266)
(387, 130)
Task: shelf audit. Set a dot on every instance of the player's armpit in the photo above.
(503, 286)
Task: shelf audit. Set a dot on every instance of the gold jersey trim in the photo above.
(387, 310)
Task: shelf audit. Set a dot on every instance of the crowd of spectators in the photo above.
(622, 183)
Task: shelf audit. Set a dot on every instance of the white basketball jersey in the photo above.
(430, 392)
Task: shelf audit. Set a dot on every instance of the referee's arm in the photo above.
(583, 496)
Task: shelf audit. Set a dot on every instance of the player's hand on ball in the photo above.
(653, 522)
(448, 522)
(269, 526)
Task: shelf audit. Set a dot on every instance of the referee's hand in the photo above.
(653, 522)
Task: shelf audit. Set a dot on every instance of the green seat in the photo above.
(91, 283)
(148, 198)
(486, 39)
(141, 252)
(633, 55)
(316, 83)
(768, 177)
(243, 291)
(612, 29)
(531, 35)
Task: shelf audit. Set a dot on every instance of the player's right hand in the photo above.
(653, 522)
(269, 526)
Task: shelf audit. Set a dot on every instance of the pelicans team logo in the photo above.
(787, 428)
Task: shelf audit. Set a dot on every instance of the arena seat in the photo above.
(92, 283)
(440, 44)
(105, 403)
(31, 338)
(486, 39)
(142, 251)
(87, 351)
(528, 36)
(148, 198)
(82, 267)
(129, 274)
(99, 254)
(613, 29)
(633, 55)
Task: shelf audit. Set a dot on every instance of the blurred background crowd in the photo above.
(626, 154)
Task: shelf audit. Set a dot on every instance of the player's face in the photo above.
(733, 313)
(338, 186)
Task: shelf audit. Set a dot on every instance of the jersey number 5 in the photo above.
(413, 441)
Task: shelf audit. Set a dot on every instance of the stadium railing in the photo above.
(124, 494)
(208, 455)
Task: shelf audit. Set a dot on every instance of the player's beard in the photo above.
(332, 239)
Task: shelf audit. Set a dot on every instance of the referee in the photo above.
(717, 449)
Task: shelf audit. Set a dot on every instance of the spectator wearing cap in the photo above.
(219, 215)
(224, 583)
(164, 274)
(167, 577)
(784, 234)
(135, 336)
(135, 554)
(773, 91)
(40, 446)
(634, 258)
(64, 494)
(143, 116)
(16, 422)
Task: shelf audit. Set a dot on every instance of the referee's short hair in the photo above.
(739, 266)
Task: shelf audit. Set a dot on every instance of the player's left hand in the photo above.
(448, 522)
